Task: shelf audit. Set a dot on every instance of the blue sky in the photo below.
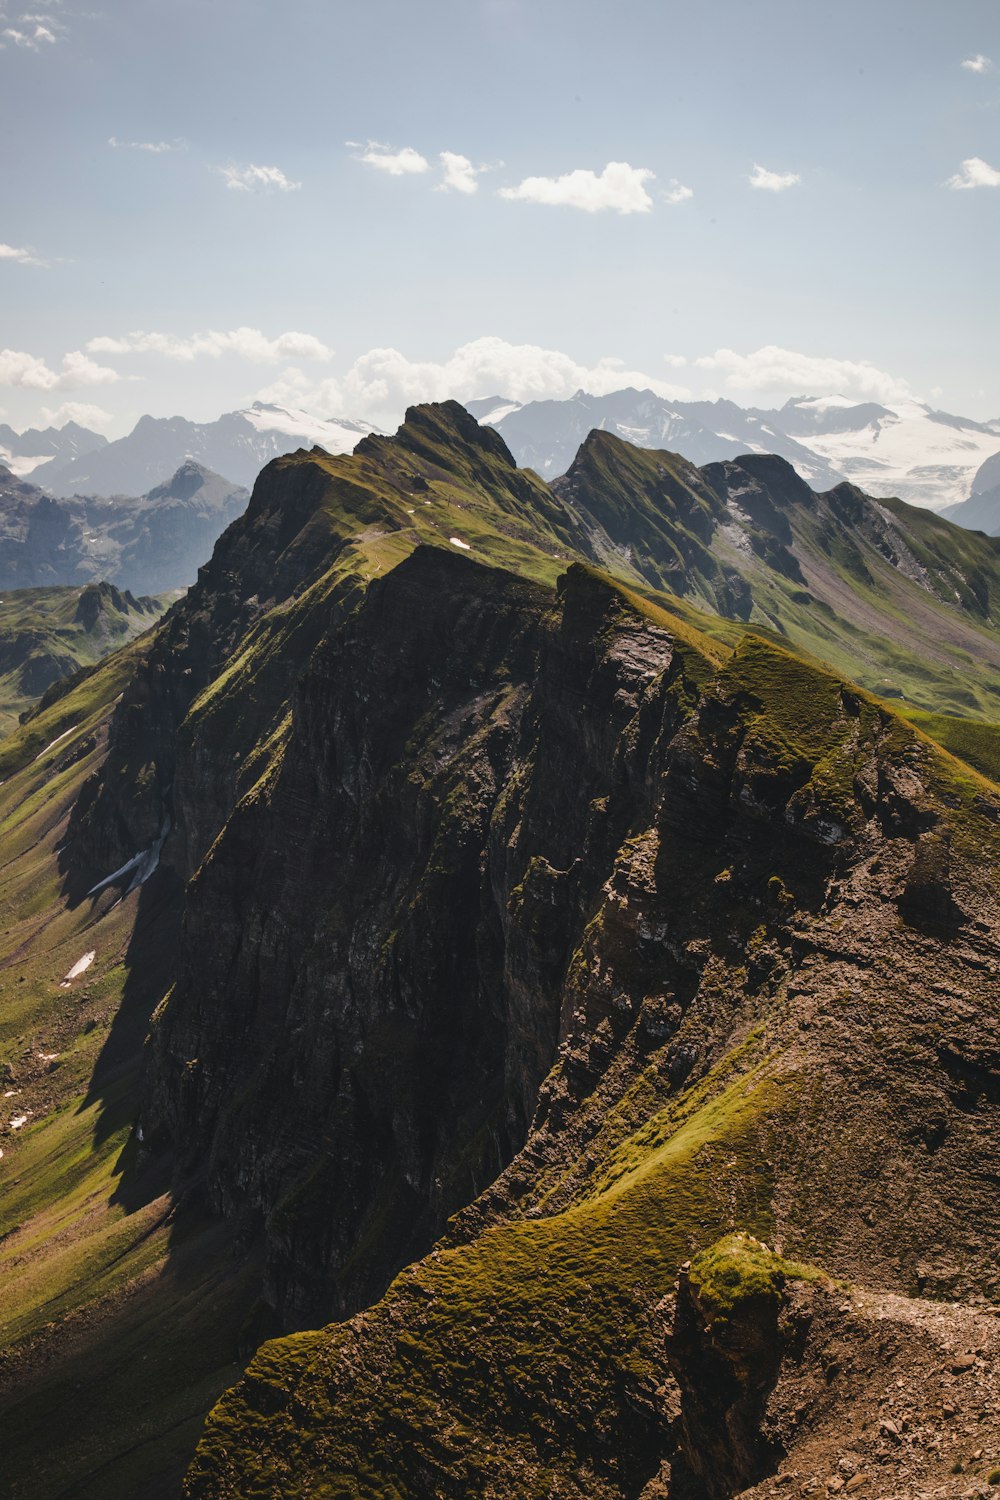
(261, 254)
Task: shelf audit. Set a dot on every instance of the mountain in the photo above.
(150, 544)
(584, 998)
(906, 450)
(23, 452)
(51, 633)
(869, 586)
(545, 435)
(981, 512)
(982, 509)
(238, 445)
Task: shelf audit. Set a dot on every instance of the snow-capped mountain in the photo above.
(923, 456)
(237, 445)
(545, 435)
(23, 452)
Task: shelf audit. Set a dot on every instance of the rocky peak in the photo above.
(445, 434)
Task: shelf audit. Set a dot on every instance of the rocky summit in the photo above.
(500, 997)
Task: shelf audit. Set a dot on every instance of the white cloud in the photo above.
(254, 179)
(775, 369)
(40, 31)
(246, 343)
(20, 369)
(459, 173)
(978, 64)
(677, 192)
(395, 163)
(975, 173)
(772, 182)
(83, 412)
(383, 382)
(156, 148)
(619, 188)
(19, 255)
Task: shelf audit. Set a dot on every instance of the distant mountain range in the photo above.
(237, 445)
(906, 450)
(148, 544)
(23, 452)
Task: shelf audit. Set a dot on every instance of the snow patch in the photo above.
(499, 412)
(456, 541)
(58, 737)
(80, 967)
(337, 435)
(143, 864)
(18, 1121)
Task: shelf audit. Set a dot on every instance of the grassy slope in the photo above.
(105, 1308)
(59, 644)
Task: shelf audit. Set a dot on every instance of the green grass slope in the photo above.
(49, 633)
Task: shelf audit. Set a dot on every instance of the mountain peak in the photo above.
(437, 430)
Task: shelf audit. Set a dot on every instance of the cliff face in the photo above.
(382, 932)
(739, 906)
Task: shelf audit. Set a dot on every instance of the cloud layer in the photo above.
(772, 182)
(620, 188)
(974, 173)
(395, 163)
(155, 148)
(256, 179)
(460, 176)
(20, 255)
(772, 368)
(20, 369)
(246, 343)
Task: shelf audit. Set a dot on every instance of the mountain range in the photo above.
(237, 445)
(149, 544)
(22, 452)
(500, 993)
(904, 450)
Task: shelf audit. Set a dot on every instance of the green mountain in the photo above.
(48, 634)
(561, 1010)
(905, 603)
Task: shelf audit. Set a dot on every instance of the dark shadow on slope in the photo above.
(151, 965)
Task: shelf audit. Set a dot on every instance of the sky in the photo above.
(349, 205)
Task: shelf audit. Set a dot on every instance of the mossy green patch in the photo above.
(739, 1269)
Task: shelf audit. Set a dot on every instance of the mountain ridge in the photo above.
(456, 893)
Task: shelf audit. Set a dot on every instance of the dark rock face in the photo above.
(402, 900)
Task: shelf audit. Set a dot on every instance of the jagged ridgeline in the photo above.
(474, 901)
